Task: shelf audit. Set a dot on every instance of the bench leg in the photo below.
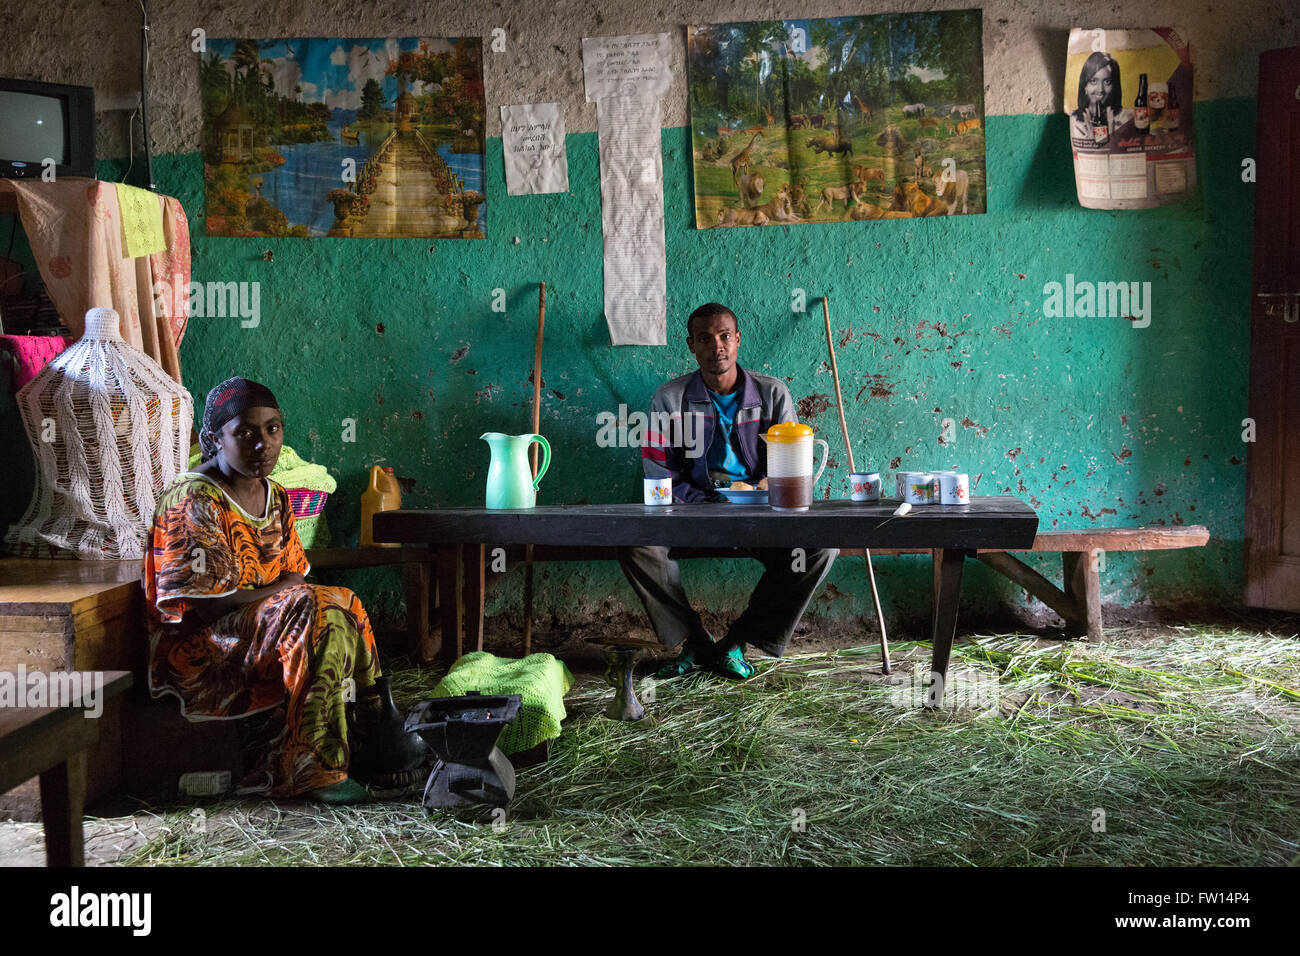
(1083, 589)
(948, 563)
(1060, 601)
(423, 640)
(63, 797)
(475, 558)
(451, 606)
(528, 600)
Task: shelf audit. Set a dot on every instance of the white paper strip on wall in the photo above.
(625, 77)
(632, 221)
(532, 137)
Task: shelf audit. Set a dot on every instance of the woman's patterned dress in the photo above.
(307, 646)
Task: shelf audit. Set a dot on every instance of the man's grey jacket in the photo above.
(683, 422)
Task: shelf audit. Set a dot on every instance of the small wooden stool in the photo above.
(620, 655)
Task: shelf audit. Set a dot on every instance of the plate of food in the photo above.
(743, 493)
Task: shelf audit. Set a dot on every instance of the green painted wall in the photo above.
(1094, 422)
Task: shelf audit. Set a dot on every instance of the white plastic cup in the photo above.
(920, 488)
(658, 491)
(954, 488)
(864, 485)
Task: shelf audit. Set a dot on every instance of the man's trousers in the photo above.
(775, 606)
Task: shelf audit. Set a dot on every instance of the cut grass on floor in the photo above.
(1186, 751)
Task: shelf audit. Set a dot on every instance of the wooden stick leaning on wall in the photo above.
(848, 446)
(537, 425)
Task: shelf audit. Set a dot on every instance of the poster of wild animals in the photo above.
(344, 137)
(845, 118)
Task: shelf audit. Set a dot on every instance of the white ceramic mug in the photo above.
(954, 488)
(920, 488)
(658, 491)
(864, 485)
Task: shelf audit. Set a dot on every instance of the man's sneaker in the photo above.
(682, 664)
(733, 665)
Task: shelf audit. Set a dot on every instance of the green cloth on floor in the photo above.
(540, 679)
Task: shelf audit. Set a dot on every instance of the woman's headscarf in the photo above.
(228, 400)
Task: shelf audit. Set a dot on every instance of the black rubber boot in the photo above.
(382, 747)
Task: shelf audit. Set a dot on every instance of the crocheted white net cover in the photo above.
(110, 430)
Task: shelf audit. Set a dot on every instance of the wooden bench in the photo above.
(1078, 601)
(52, 742)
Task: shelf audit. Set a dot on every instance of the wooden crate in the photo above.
(73, 615)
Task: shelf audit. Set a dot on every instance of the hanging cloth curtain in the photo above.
(74, 226)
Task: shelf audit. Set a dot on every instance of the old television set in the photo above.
(46, 121)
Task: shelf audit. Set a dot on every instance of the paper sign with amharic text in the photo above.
(532, 138)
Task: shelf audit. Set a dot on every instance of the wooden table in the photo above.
(51, 741)
(950, 532)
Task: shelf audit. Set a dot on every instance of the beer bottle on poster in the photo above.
(1141, 112)
(1100, 128)
(1173, 116)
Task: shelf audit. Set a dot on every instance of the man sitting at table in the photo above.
(714, 417)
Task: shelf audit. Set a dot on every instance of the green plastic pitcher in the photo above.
(510, 482)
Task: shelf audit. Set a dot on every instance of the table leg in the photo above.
(451, 605)
(63, 797)
(948, 570)
(475, 558)
(936, 563)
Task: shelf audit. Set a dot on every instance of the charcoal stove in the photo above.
(462, 732)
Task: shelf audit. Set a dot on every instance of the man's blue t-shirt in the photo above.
(724, 460)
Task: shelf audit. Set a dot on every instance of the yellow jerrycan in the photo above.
(384, 494)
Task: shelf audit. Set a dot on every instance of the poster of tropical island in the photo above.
(344, 137)
(846, 118)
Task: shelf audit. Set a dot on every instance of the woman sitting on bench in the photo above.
(235, 629)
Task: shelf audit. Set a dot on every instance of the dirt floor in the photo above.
(124, 830)
(1140, 623)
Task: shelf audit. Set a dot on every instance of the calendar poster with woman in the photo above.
(1128, 94)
